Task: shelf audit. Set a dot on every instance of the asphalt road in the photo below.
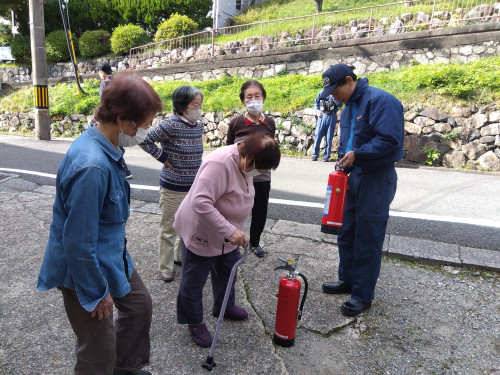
(434, 203)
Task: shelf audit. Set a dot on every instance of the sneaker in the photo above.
(327, 160)
(128, 174)
(200, 335)
(314, 158)
(257, 250)
(234, 312)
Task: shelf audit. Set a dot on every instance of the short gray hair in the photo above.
(182, 96)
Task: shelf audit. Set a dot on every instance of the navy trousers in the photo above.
(363, 229)
(195, 270)
(325, 127)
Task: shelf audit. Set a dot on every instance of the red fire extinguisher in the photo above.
(333, 211)
(288, 312)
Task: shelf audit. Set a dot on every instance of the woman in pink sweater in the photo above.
(210, 220)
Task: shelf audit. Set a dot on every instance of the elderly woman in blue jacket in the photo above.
(86, 255)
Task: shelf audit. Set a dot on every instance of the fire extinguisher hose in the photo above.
(306, 287)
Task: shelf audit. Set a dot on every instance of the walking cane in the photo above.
(209, 364)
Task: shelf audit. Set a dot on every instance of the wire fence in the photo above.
(376, 20)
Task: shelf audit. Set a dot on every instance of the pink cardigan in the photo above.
(218, 202)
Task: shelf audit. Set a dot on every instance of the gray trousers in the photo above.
(103, 345)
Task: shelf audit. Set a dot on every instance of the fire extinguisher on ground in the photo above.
(288, 312)
(336, 192)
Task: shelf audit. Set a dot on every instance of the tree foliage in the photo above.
(57, 47)
(94, 43)
(127, 36)
(175, 26)
(107, 14)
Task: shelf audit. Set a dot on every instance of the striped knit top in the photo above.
(182, 145)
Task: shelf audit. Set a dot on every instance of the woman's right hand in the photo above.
(103, 309)
(238, 238)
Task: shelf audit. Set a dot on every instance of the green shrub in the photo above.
(87, 105)
(57, 47)
(94, 43)
(21, 49)
(175, 26)
(432, 155)
(126, 37)
(5, 34)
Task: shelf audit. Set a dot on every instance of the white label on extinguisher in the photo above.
(327, 200)
(280, 336)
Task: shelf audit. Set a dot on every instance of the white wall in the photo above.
(227, 9)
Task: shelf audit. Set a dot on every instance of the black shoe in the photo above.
(354, 308)
(314, 158)
(337, 287)
(177, 263)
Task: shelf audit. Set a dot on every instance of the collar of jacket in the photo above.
(249, 121)
(99, 138)
(359, 90)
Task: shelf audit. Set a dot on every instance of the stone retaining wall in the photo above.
(368, 55)
(466, 137)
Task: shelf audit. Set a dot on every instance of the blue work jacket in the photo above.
(86, 250)
(376, 118)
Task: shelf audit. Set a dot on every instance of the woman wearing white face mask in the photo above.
(210, 221)
(253, 96)
(86, 255)
(180, 137)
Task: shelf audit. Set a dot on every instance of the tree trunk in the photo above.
(319, 5)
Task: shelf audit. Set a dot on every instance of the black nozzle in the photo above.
(288, 266)
(209, 364)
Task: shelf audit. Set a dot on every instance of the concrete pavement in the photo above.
(436, 309)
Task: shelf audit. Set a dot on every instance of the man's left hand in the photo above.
(347, 160)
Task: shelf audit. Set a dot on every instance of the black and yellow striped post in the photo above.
(41, 96)
(39, 70)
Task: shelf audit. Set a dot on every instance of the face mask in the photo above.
(254, 107)
(141, 135)
(125, 140)
(193, 115)
(253, 173)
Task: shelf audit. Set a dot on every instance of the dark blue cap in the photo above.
(332, 76)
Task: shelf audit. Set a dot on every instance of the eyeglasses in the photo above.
(195, 105)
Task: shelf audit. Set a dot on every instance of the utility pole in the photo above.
(39, 70)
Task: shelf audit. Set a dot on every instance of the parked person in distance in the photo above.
(86, 255)
(180, 137)
(371, 141)
(253, 96)
(210, 220)
(326, 114)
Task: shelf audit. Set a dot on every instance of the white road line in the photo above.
(41, 174)
(411, 215)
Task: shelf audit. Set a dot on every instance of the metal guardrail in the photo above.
(376, 20)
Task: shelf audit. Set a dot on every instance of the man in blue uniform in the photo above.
(326, 112)
(371, 141)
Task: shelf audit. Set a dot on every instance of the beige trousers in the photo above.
(169, 242)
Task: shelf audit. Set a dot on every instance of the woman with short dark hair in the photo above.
(86, 255)
(210, 221)
(180, 137)
(253, 96)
